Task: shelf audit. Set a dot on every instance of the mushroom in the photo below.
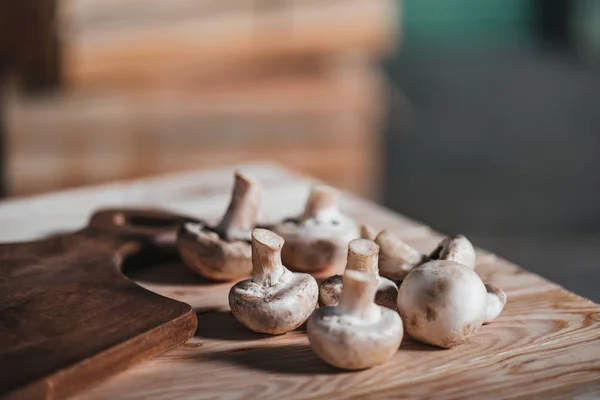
(275, 300)
(444, 303)
(496, 300)
(357, 333)
(396, 258)
(362, 256)
(455, 248)
(318, 239)
(223, 252)
(368, 232)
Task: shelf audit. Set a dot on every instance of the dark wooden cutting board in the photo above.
(69, 317)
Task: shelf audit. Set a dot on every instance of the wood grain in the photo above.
(546, 343)
(297, 118)
(68, 316)
(106, 48)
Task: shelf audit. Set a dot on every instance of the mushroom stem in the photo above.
(368, 232)
(496, 299)
(267, 268)
(363, 255)
(358, 293)
(243, 210)
(396, 258)
(322, 204)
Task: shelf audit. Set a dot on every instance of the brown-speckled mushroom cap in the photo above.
(455, 248)
(274, 310)
(275, 300)
(362, 256)
(356, 334)
(442, 303)
(206, 253)
(223, 252)
(319, 238)
(330, 291)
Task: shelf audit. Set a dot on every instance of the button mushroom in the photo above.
(275, 300)
(455, 248)
(444, 303)
(368, 232)
(319, 238)
(396, 258)
(357, 333)
(223, 252)
(362, 256)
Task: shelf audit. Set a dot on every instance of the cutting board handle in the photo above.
(159, 227)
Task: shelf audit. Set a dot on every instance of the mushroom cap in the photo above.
(368, 232)
(313, 245)
(348, 342)
(455, 248)
(277, 309)
(442, 303)
(330, 291)
(496, 302)
(203, 251)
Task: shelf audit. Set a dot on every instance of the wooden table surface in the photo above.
(546, 342)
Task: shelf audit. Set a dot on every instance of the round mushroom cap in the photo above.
(313, 245)
(455, 248)
(276, 309)
(348, 342)
(330, 291)
(204, 252)
(442, 303)
(387, 293)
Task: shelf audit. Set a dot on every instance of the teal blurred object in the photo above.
(468, 22)
(586, 26)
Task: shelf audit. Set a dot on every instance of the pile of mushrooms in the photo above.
(223, 252)
(356, 333)
(360, 259)
(275, 300)
(318, 239)
(397, 258)
(441, 300)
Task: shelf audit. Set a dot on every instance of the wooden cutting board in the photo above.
(546, 343)
(69, 317)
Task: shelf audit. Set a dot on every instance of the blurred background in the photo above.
(476, 117)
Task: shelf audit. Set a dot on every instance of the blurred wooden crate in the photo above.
(141, 43)
(323, 121)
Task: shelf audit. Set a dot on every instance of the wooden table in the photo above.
(546, 343)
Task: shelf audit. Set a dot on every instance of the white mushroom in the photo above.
(368, 232)
(396, 258)
(496, 300)
(357, 333)
(319, 238)
(455, 248)
(444, 303)
(224, 252)
(362, 256)
(275, 300)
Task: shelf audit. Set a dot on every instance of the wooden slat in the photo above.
(198, 42)
(324, 122)
(544, 344)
